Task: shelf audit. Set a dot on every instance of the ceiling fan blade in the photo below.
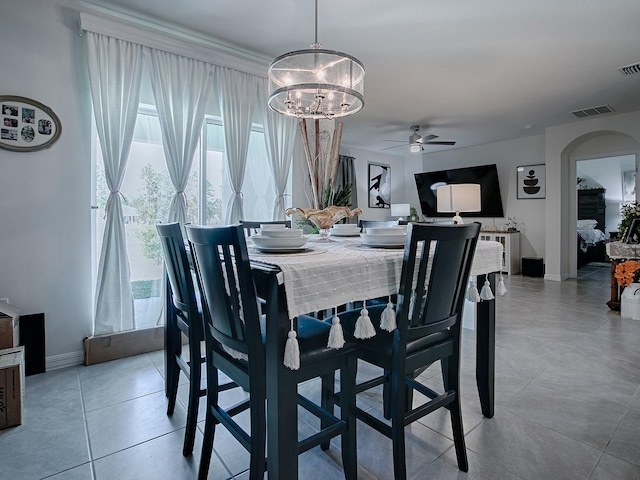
(398, 141)
(426, 138)
(438, 143)
(395, 146)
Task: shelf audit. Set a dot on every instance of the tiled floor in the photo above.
(567, 407)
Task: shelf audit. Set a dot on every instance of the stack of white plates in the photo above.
(345, 230)
(278, 238)
(385, 237)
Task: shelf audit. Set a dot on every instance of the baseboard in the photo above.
(64, 360)
(103, 348)
(556, 278)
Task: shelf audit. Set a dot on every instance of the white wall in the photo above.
(45, 215)
(507, 156)
(608, 135)
(397, 171)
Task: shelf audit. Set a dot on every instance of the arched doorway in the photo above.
(603, 143)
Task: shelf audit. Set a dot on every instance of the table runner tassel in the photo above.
(486, 293)
(336, 335)
(364, 327)
(292, 350)
(501, 289)
(472, 293)
(388, 318)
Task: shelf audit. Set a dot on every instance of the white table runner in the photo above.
(344, 270)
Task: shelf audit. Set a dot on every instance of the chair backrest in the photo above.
(179, 274)
(229, 300)
(434, 278)
(252, 226)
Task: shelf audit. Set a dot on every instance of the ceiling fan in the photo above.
(416, 141)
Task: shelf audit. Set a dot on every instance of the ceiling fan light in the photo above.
(415, 148)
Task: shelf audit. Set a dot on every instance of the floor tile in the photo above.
(45, 450)
(125, 424)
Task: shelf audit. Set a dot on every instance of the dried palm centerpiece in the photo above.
(325, 218)
(321, 147)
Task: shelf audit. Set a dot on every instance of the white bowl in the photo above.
(345, 232)
(279, 242)
(380, 239)
(340, 226)
(272, 226)
(282, 233)
(386, 231)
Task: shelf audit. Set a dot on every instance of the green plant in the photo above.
(628, 212)
(340, 198)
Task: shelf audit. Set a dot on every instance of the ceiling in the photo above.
(470, 71)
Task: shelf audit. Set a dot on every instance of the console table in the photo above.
(618, 252)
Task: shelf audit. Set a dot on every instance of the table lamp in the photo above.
(461, 197)
(400, 210)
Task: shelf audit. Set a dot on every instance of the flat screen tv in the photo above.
(485, 175)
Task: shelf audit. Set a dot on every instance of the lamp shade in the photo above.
(316, 83)
(400, 209)
(462, 197)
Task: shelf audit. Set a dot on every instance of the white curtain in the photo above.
(279, 136)
(238, 98)
(181, 87)
(115, 69)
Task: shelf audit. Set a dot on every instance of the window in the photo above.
(147, 192)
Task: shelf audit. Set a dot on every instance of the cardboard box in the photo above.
(11, 386)
(9, 326)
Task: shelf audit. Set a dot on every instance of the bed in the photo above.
(591, 226)
(591, 242)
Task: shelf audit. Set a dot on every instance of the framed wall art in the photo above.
(27, 125)
(632, 235)
(379, 186)
(629, 186)
(531, 181)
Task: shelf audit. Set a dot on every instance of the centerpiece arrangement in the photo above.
(329, 202)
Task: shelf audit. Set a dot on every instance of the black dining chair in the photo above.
(252, 226)
(435, 270)
(185, 318)
(234, 339)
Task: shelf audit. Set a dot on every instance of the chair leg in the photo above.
(386, 395)
(398, 404)
(327, 391)
(348, 414)
(207, 444)
(257, 458)
(173, 376)
(451, 379)
(192, 407)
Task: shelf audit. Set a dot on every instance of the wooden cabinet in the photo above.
(510, 249)
(591, 205)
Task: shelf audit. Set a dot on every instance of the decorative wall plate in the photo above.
(27, 125)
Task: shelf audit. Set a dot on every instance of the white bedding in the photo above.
(590, 237)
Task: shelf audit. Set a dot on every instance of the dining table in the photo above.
(323, 275)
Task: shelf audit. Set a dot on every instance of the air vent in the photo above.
(632, 69)
(590, 112)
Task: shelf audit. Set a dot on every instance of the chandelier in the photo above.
(316, 83)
